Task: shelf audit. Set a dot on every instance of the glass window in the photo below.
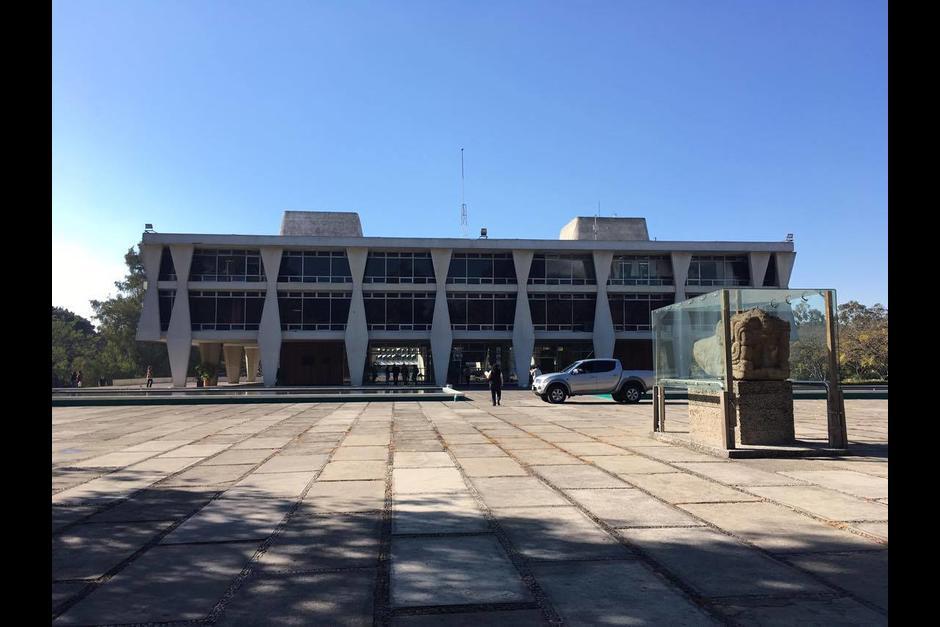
(316, 267)
(340, 272)
(480, 311)
(481, 268)
(292, 267)
(504, 311)
(719, 270)
(537, 309)
(424, 310)
(424, 268)
(375, 308)
(167, 269)
(554, 269)
(457, 307)
(225, 265)
(167, 297)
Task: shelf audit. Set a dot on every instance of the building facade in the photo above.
(320, 304)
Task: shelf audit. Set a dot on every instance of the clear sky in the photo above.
(723, 120)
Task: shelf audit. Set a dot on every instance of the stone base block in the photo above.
(763, 414)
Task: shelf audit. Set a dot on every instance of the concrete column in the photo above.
(785, 267)
(680, 272)
(269, 331)
(523, 333)
(252, 359)
(357, 331)
(179, 335)
(233, 362)
(441, 335)
(758, 263)
(210, 352)
(604, 338)
(148, 328)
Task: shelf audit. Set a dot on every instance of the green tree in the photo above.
(863, 341)
(75, 346)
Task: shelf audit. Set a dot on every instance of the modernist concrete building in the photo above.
(320, 304)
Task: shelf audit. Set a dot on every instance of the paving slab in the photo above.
(346, 496)
(515, 618)
(358, 470)
(62, 592)
(427, 480)
(231, 519)
(679, 487)
(558, 533)
(116, 485)
(824, 503)
(167, 583)
(615, 593)
(309, 542)
(293, 463)
(696, 554)
(355, 453)
(196, 450)
(492, 467)
(420, 459)
(545, 457)
(629, 507)
(114, 460)
(89, 550)
(516, 492)
(786, 612)
(629, 464)
(591, 448)
(581, 476)
(263, 442)
(215, 476)
(863, 573)
(777, 529)
(240, 457)
(674, 453)
(849, 481)
(453, 571)
(157, 504)
(62, 516)
(437, 513)
(372, 439)
(283, 485)
(737, 474)
(476, 450)
(308, 599)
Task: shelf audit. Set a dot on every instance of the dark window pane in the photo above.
(739, 272)
(558, 311)
(504, 269)
(458, 269)
(291, 266)
(230, 310)
(203, 264)
(578, 269)
(201, 310)
(480, 311)
(166, 265)
(636, 312)
(480, 269)
(393, 269)
(424, 268)
(316, 311)
(558, 269)
(394, 310)
(537, 309)
(290, 310)
(375, 267)
(583, 313)
(232, 265)
(616, 310)
(537, 271)
(424, 310)
(458, 310)
(316, 266)
(339, 310)
(341, 267)
(375, 310)
(253, 309)
(504, 311)
(708, 270)
(406, 268)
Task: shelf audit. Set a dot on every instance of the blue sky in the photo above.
(725, 120)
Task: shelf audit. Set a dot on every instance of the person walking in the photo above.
(149, 376)
(78, 379)
(73, 380)
(374, 373)
(396, 370)
(414, 374)
(534, 372)
(388, 374)
(495, 377)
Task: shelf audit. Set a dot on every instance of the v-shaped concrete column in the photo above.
(269, 331)
(785, 268)
(523, 333)
(758, 263)
(357, 331)
(604, 338)
(179, 335)
(680, 273)
(148, 328)
(441, 334)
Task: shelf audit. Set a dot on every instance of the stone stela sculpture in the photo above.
(760, 367)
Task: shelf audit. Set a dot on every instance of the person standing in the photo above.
(495, 378)
(78, 379)
(388, 374)
(396, 370)
(73, 380)
(414, 374)
(149, 376)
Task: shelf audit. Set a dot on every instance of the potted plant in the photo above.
(203, 376)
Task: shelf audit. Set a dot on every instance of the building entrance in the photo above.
(634, 354)
(556, 356)
(411, 361)
(469, 362)
(313, 363)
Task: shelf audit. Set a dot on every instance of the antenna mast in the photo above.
(464, 224)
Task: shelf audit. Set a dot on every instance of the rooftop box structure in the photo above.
(607, 229)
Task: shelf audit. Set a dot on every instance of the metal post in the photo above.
(656, 390)
(835, 406)
(727, 396)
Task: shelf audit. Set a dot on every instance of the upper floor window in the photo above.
(770, 276)
(472, 311)
(399, 311)
(225, 311)
(226, 265)
(399, 267)
(481, 269)
(313, 311)
(562, 312)
(554, 269)
(320, 266)
(718, 270)
(632, 312)
(640, 270)
(166, 299)
(167, 269)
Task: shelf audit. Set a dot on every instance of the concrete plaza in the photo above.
(457, 513)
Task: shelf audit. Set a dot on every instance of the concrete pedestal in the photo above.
(763, 414)
(233, 362)
(252, 359)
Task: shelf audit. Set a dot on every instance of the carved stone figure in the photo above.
(708, 353)
(760, 346)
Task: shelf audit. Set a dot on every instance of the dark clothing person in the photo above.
(375, 372)
(414, 374)
(395, 372)
(73, 379)
(78, 379)
(496, 384)
(149, 376)
(388, 375)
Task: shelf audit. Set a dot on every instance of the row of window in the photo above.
(465, 268)
(405, 311)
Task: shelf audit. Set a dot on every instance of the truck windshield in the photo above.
(572, 366)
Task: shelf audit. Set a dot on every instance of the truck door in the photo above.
(606, 375)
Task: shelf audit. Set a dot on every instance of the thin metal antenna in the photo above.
(464, 223)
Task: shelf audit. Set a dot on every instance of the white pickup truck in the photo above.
(594, 376)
